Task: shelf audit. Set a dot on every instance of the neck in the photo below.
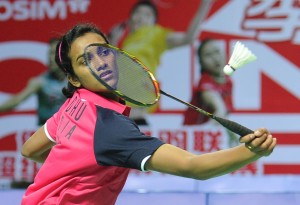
(219, 78)
(110, 96)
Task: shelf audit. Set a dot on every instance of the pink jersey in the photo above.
(96, 145)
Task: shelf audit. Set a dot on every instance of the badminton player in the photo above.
(88, 147)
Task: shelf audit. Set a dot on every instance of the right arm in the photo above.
(176, 39)
(32, 87)
(173, 160)
(38, 146)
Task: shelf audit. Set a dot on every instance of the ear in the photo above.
(74, 81)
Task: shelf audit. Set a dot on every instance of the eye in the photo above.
(84, 63)
(106, 52)
(88, 57)
(103, 51)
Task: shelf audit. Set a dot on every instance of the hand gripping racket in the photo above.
(128, 78)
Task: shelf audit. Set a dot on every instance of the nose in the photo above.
(101, 64)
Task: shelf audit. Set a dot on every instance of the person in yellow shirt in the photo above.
(144, 38)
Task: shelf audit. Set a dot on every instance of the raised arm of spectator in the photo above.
(32, 87)
(176, 39)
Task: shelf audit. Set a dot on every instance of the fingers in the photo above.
(269, 149)
(261, 131)
(267, 143)
(247, 138)
(264, 147)
(257, 134)
(260, 142)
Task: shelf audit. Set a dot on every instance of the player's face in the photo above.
(142, 16)
(212, 58)
(84, 75)
(102, 61)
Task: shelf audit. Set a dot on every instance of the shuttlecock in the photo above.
(240, 56)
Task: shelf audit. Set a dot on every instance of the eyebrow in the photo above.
(79, 57)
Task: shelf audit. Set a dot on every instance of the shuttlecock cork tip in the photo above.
(228, 70)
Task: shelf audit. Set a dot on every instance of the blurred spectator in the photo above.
(48, 88)
(144, 38)
(214, 90)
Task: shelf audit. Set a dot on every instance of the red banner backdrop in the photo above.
(266, 93)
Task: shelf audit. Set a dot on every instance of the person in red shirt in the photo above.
(88, 147)
(214, 90)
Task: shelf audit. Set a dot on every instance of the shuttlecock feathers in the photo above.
(240, 56)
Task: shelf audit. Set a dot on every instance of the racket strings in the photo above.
(134, 81)
(125, 75)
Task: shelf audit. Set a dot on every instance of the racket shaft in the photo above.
(187, 104)
(228, 124)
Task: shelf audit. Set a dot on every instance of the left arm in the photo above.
(216, 102)
(175, 39)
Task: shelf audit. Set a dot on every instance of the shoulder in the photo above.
(111, 118)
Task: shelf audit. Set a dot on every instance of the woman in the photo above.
(214, 90)
(144, 38)
(90, 144)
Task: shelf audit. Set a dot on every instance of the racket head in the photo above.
(122, 74)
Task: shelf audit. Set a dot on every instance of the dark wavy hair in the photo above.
(63, 48)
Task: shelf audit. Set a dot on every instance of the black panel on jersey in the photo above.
(119, 142)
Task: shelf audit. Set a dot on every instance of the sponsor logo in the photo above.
(41, 10)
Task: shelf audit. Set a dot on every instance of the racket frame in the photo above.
(135, 60)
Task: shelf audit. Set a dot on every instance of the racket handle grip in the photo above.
(233, 126)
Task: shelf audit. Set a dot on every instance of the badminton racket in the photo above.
(128, 78)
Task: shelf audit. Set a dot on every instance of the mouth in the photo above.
(107, 75)
(218, 65)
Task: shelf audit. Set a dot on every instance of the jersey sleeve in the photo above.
(52, 124)
(51, 127)
(119, 142)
